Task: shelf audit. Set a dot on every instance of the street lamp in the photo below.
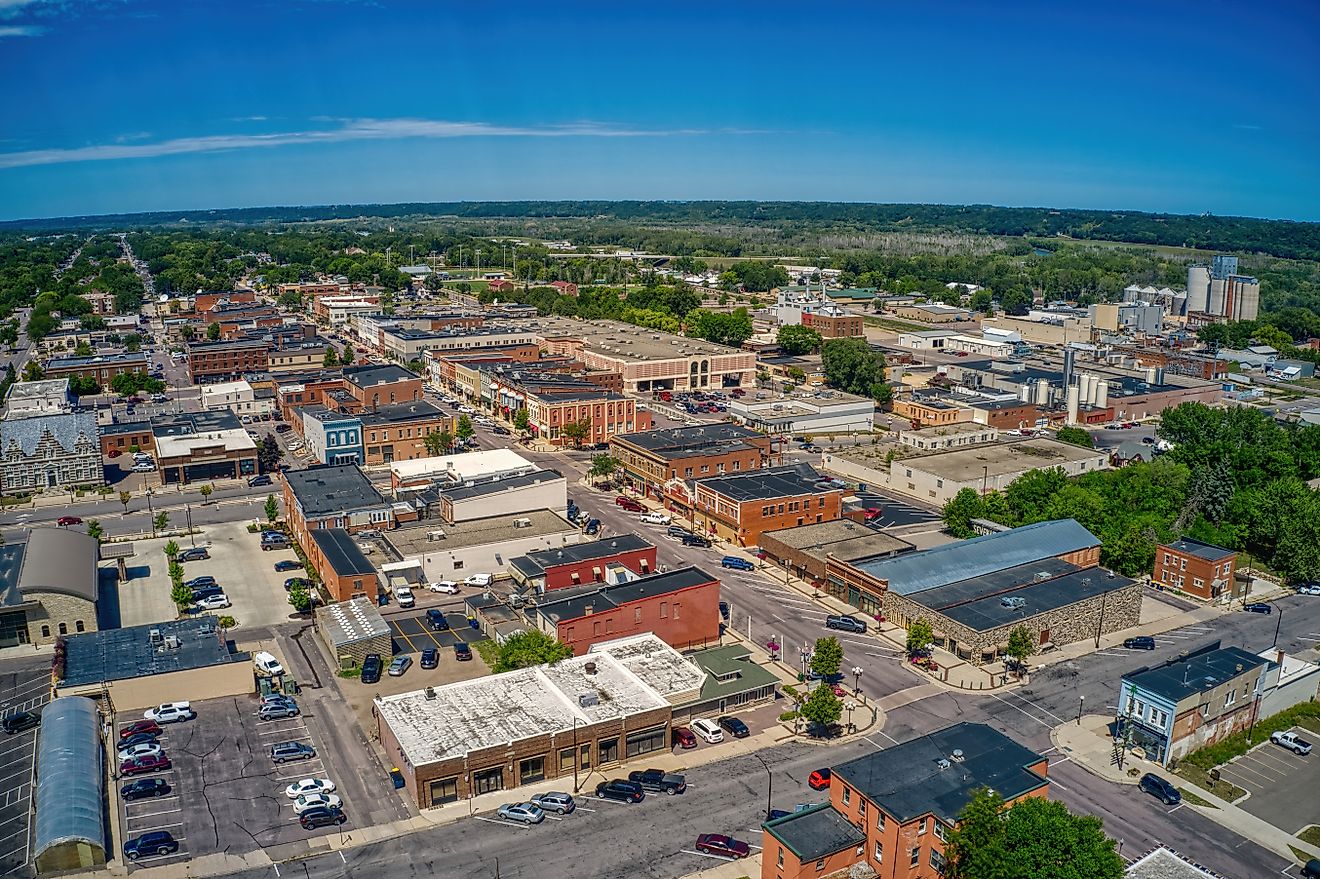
(769, 784)
(805, 655)
(151, 512)
(1277, 624)
(850, 705)
(1081, 700)
(857, 679)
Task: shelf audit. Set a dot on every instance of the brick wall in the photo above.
(54, 610)
(685, 620)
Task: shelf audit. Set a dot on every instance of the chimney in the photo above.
(588, 611)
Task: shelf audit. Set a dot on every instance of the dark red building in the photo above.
(580, 563)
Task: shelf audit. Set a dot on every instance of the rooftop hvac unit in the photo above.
(153, 636)
(172, 642)
(437, 534)
(430, 692)
(943, 764)
(586, 700)
(522, 523)
(957, 754)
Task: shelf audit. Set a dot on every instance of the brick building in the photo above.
(1201, 569)
(333, 496)
(923, 412)
(834, 323)
(649, 461)
(344, 570)
(126, 437)
(806, 552)
(565, 288)
(680, 607)
(1005, 414)
(102, 368)
(398, 431)
(574, 565)
(739, 507)
(892, 810)
(210, 362)
(607, 413)
(379, 385)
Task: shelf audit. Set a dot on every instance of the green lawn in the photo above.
(1310, 834)
(1196, 775)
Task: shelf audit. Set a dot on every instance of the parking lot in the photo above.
(227, 794)
(21, 689)
(412, 634)
(1282, 784)
(896, 512)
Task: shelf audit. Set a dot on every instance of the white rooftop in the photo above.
(659, 666)
(226, 388)
(498, 710)
(234, 440)
(472, 465)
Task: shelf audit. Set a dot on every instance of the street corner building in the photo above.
(557, 721)
(48, 587)
(50, 451)
(892, 810)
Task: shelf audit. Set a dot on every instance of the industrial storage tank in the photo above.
(1198, 288)
(1074, 394)
(1042, 392)
(1102, 394)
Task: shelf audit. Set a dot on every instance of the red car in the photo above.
(113, 453)
(140, 726)
(68, 520)
(144, 764)
(629, 504)
(719, 844)
(819, 780)
(684, 738)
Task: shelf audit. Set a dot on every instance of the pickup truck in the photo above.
(659, 781)
(1292, 742)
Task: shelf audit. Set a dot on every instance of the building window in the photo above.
(566, 760)
(879, 820)
(921, 828)
(937, 860)
(530, 770)
(916, 857)
(847, 795)
(646, 741)
(488, 780)
(1229, 699)
(941, 832)
(444, 790)
(45, 631)
(879, 854)
(64, 628)
(78, 625)
(664, 610)
(609, 751)
(820, 865)
(676, 607)
(637, 614)
(781, 858)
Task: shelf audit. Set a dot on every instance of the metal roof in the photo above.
(120, 654)
(1208, 551)
(1179, 678)
(66, 428)
(342, 552)
(351, 621)
(980, 603)
(537, 562)
(954, 562)
(70, 777)
(498, 483)
(772, 482)
(62, 561)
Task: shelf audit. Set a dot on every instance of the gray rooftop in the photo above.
(401, 413)
(815, 833)
(185, 423)
(1165, 863)
(351, 621)
(572, 603)
(954, 562)
(496, 484)
(341, 551)
(416, 539)
(123, 357)
(1042, 586)
(1179, 678)
(535, 563)
(119, 654)
(67, 429)
(332, 488)
(825, 534)
(61, 561)
(774, 482)
(693, 441)
(909, 780)
(1207, 551)
(377, 374)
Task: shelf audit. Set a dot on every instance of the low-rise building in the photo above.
(1200, 569)
(1190, 701)
(605, 414)
(238, 397)
(933, 313)
(45, 397)
(48, 586)
(50, 451)
(332, 437)
(350, 630)
(1005, 414)
(483, 464)
(922, 410)
(382, 384)
(398, 431)
(480, 546)
(345, 571)
(333, 496)
(126, 437)
(101, 368)
(227, 453)
(545, 571)
(807, 551)
(501, 496)
(648, 461)
(210, 362)
(739, 507)
(952, 436)
(818, 412)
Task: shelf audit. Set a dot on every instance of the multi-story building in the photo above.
(336, 311)
(50, 451)
(1188, 702)
(605, 413)
(404, 344)
(738, 507)
(833, 322)
(238, 397)
(297, 355)
(816, 412)
(341, 565)
(102, 368)
(582, 563)
(210, 362)
(1201, 569)
(45, 397)
(650, 460)
(398, 431)
(892, 810)
(333, 496)
(332, 437)
(924, 411)
(381, 385)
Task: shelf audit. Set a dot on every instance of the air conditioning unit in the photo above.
(172, 642)
(437, 534)
(586, 700)
(522, 523)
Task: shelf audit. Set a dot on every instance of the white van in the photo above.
(404, 596)
(266, 663)
(708, 730)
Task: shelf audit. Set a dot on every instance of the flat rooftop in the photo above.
(576, 602)
(416, 540)
(402, 413)
(1179, 678)
(181, 446)
(120, 654)
(499, 710)
(122, 357)
(332, 488)
(377, 374)
(825, 535)
(537, 562)
(816, 832)
(659, 666)
(496, 484)
(692, 441)
(772, 482)
(1001, 459)
(459, 467)
(342, 552)
(979, 603)
(625, 341)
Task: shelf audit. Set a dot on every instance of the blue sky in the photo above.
(126, 105)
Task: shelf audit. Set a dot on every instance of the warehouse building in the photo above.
(350, 630)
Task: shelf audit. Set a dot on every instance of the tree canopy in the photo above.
(851, 365)
(529, 648)
(796, 339)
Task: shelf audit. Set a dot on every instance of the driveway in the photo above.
(1282, 785)
(21, 689)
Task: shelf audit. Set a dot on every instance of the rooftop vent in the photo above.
(430, 692)
(957, 754)
(943, 764)
(589, 668)
(153, 636)
(172, 642)
(586, 700)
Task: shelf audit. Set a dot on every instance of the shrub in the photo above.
(1239, 743)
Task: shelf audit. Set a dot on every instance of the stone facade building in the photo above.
(50, 451)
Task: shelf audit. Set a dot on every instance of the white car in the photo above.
(266, 663)
(313, 801)
(708, 730)
(448, 587)
(404, 596)
(214, 602)
(479, 580)
(309, 786)
(143, 749)
(170, 712)
(1309, 589)
(143, 467)
(656, 519)
(295, 445)
(467, 410)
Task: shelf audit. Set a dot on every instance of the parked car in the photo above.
(157, 842)
(527, 813)
(309, 786)
(206, 592)
(140, 726)
(194, 554)
(17, 723)
(724, 610)
(629, 504)
(283, 752)
(143, 467)
(694, 540)
(448, 587)
(708, 730)
(170, 712)
(435, 618)
(303, 802)
(404, 596)
(68, 520)
(1311, 587)
(297, 583)
(273, 541)
(737, 563)
(618, 789)
(462, 651)
(593, 527)
(288, 565)
(371, 665)
(320, 816)
(140, 749)
(819, 779)
(1293, 742)
(734, 727)
(719, 844)
(1141, 642)
(656, 518)
(845, 623)
(1161, 789)
(144, 764)
(1311, 869)
(555, 801)
(659, 781)
(684, 738)
(430, 658)
(277, 711)
(1259, 607)
(138, 739)
(218, 601)
(199, 582)
(144, 789)
(266, 663)
(260, 479)
(399, 665)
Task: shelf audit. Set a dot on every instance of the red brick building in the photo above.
(565, 288)
(332, 496)
(398, 432)
(102, 368)
(681, 607)
(835, 326)
(607, 414)
(344, 569)
(210, 362)
(650, 460)
(499, 285)
(740, 506)
(1201, 569)
(893, 809)
(206, 301)
(1005, 414)
(374, 386)
(579, 563)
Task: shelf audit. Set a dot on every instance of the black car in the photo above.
(263, 479)
(724, 610)
(694, 540)
(321, 816)
(194, 554)
(142, 738)
(734, 727)
(436, 620)
(200, 582)
(157, 842)
(1141, 642)
(206, 592)
(659, 781)
(1158, 787)
(845, 623)
(618, 789)
(430, 658)
(1259, 607)
(144, 788)
(17, 723)
(462, 652)
(371, 668)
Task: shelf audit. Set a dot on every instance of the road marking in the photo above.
(504, 823)
(1176, 808)
(1064, 760)
(1019, 708)
(688, 851)
(153, 814)
(1038, 707)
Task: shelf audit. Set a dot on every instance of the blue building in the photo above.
(332, 437)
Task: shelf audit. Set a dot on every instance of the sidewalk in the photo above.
(1090, 746)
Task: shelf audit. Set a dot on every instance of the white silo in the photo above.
(1087, 387)
(1101, 394)
(1024, 392)
(1042, 392)
(1074, 393)
(1198, 288)
(1150, 375)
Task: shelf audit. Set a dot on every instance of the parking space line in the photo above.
(503, 823)
(154, 814)
(163, 826)
(154, 801)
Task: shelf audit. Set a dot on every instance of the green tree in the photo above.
(206, 492)
(160, 522)
(827, 656)
(822, 707)
(961, 509)
(464, 431)
(795, 340)
(301, 598)
(525, 649)
(94, 530)
(83, 386)
(181, 596)
(132, 343)
(522, 422)
(1020, 644)
(171, 550)
(32, 371)
(435, 442)
(1076, 436)
(272, 508)
(920, 636)
(1034, 838)
(124, 498)
(269, 454)
(577, 431)
(851, 365)
(347, 357)
(602, 466)
(82, 349)
(213, 331)
(330, 359)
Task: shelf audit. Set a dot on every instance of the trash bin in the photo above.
(397, 778)
(383, 599)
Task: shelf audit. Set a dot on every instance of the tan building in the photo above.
(50, 587)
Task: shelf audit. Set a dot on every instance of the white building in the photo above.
(338, 310)
(815, 413)
(456, 469)
(238, 397)
(46, 397)
(453, 551)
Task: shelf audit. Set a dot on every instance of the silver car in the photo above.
(527, 813)
(555, 801)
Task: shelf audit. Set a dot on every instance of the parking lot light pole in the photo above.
(1081, 700)
(1277, 624)
(769, 784)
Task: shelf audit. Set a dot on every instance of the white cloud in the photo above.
(20, 30)
(348, 130)
(9, 7)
